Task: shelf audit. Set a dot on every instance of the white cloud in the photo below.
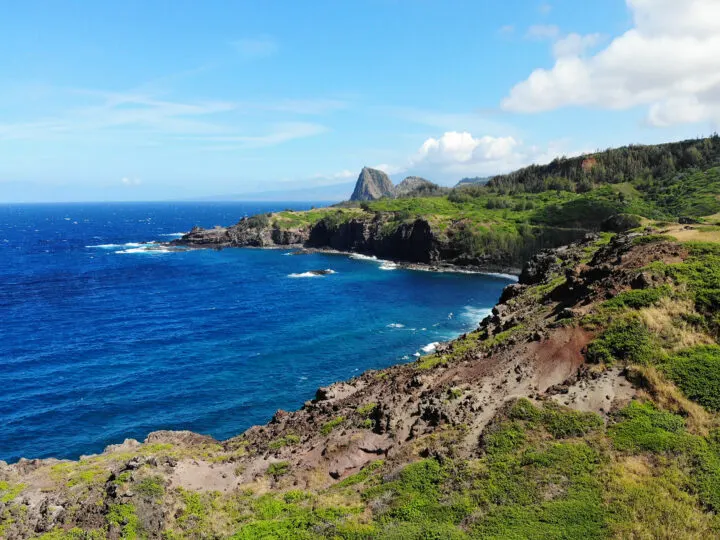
(279, 133)
(454, 147)
(258, 47)
(668, 61)
(127, 181)
(506, 30)
(545, 9)
(456, 154)
(575, 44)
(543, 31)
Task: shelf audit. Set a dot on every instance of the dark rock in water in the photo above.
(371, 185)
(321, 272)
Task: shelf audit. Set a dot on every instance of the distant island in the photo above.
(586, 405)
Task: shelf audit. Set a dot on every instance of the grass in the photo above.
(367, 409)
(124, 517)
(329, 426)
(8, 491)
(279, 468)
(287, 440)
(152, 487)
(696, 372)
(626, 340)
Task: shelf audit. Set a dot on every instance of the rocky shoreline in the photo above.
(413, 245)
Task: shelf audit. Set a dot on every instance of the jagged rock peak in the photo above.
(413, 184)
(371, 185)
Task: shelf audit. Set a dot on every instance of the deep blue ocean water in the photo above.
(101, 340)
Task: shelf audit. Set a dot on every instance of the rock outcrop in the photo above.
(414, 186)
(372, 184)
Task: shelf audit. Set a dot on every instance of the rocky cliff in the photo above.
(377, 234)
(372, 184)
(414, 186)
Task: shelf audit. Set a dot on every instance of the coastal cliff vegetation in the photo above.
(585, 406)
(500, 224)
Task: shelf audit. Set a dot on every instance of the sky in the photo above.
(176, 100)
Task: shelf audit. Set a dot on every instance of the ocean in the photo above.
(102, 339)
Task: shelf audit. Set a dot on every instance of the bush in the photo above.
(638, 299)
(643, 427)
(259, 222)
(279, 468)
(327, 427)
(697, 373)
(627, 340)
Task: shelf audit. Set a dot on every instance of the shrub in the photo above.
(653, 239)
(643, 427)
(152, 487)
(279, 468)
(697, 373)
(638, 299)
(327, 427)
(627, 340)
(259, 221)
(287, 440)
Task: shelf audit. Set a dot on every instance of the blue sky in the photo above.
(160, 100)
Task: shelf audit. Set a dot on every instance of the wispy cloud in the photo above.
(140, 115)
(506, 30)
(543, 31)
(256, 47)
(279, 133)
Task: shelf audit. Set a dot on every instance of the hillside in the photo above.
(585, 406)
(500, 225)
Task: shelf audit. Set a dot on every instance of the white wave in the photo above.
(430, 347)
(417, 354)
(312, 274)
(115, 246)
(475, 314)
(153, 249)
(511, 277)
(360, 257)
(388, 266)
(174, 235)
(395, 325)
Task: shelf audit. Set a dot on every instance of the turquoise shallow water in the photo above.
(102, 340)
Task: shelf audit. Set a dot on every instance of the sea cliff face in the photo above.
(379, 235)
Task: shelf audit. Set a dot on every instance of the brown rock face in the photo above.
(372, 185)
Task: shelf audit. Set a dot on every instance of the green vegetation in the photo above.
(282, 442)
(637, 299)
(9, 492)
(697, 373)
(279, 468)
(367, 409)
(653, 239)
(124, 517)
(626, 340)
(327, 427)
(152, 487)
